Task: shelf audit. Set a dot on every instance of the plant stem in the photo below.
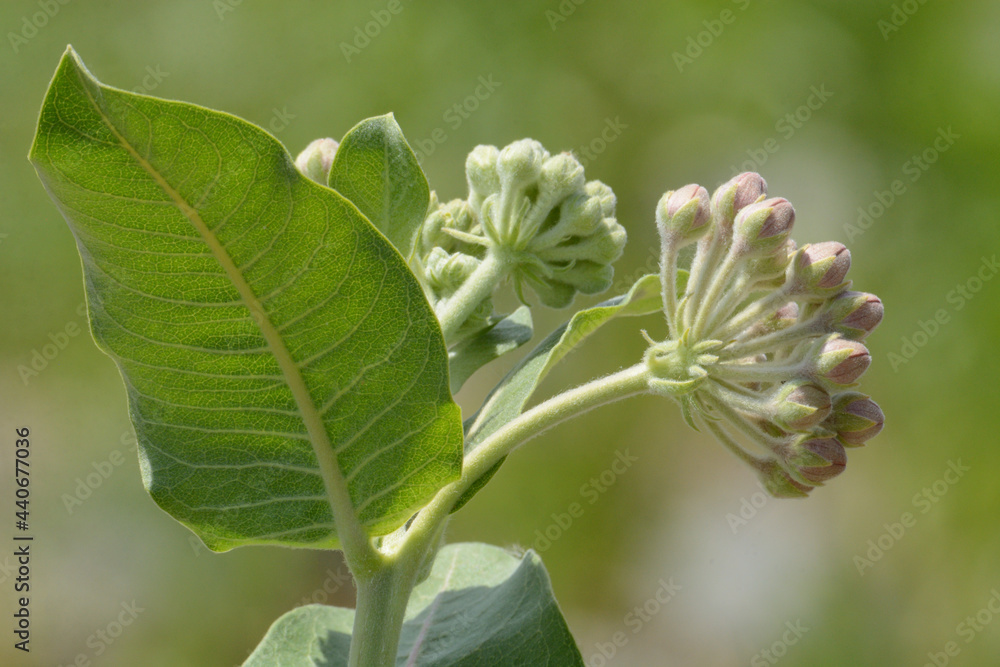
(628, 382)
(474, 290)
(384, 593)
(378, 618)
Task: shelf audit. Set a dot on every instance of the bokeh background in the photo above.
(884, 80)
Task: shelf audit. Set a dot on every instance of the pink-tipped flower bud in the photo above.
(819, 459)
(762, 228)
(683, 215)
(800, 405)
(854, 315)
(316, 160)
(819, 269)
(841, 361)
(738, 193)
(856, 418)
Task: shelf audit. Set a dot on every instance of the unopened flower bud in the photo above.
(854, 314)
(561, 176)
(519, 164)
(842, 361)
(762, 228)
(481, 174)
(818, 459)
(856, 418)
(456, 215)
(684, 214)
(778, 483)
(316, 160)
(819, 269)
(738, 193)
(800, 405)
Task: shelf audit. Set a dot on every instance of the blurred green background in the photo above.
(890, 77)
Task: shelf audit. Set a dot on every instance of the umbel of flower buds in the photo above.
(535, 215)
(765, 344)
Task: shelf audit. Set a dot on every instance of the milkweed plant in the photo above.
(291, 333)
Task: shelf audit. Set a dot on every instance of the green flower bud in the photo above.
(778, 483)
(316, 160)
(519, 164)
(819, 269)
(481, 174)
(761, 228)
(445, 273)
(856, 418)
(854, 315)
(561, 176)
(841, 361)
(818, 459)
(684, 214)
(800, 405)
(455, 215)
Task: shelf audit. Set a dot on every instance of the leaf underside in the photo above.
(479, 606)
(505, 334)
(258, 319)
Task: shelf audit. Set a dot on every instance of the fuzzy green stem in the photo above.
(759, 308)
(378, 618)
(478, 287)
(793, 334)
(628, 382)
(668, 282)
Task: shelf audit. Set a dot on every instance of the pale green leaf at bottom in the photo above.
(480, 606)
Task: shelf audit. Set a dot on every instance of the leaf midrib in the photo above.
(333, 479)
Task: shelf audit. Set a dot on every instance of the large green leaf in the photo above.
(375, 168)
(505, 334)
(479, 606)
(507, 400)
(273, 344)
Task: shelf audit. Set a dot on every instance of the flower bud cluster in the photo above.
(556, 232)
(766, 338)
